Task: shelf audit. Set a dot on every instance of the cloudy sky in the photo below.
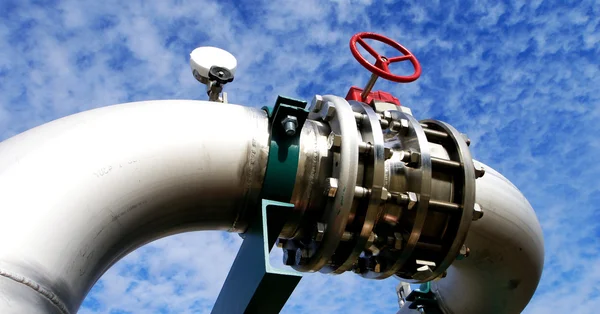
(521, 78)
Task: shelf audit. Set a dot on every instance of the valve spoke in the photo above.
(368, 48)
(399, 58)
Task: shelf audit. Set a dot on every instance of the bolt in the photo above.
(409, 199)
(463, 253)
(361, 192)
(347, 236)
(387, 153)
(289, 257)
(411, 158)
(384, 124)
(385, 195)
(477, 212)
(479, 170)
(334, 141)
(360, 118)
(331, 186)
(290, 123)
(466, 138)
(316, 103)
(365, 148)
(400, 126)
(327, 111)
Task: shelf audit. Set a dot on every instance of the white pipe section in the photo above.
(507, 254)
(79, 193)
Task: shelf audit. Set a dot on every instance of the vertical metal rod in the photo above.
(369, 87)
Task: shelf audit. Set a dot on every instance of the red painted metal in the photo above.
(355, 94)
(381, 66)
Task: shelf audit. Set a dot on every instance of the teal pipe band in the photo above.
(284, 151)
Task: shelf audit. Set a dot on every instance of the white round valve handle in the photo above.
(203, 58)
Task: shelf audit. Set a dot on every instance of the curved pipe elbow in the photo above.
(506, 257)
(81, 192)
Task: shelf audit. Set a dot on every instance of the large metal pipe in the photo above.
(79, 193)
(506, 256)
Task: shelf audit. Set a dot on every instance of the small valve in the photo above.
(213, 67)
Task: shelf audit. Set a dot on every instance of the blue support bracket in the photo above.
(253, 285)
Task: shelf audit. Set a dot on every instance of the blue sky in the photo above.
(521, 78)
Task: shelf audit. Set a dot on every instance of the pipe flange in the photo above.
(340, 117)
(418, 166)
(464, 194)
(373, 180)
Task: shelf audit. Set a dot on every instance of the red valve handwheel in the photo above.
(381, 66)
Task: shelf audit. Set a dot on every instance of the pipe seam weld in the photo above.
(43, 291)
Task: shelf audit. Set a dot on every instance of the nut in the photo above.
(290, 123)
(477, 212)
(400, 126)
(316, 103)
(320, 231)
(334, 141)
(387, 153)
(479, 170)
(412, 200)
(466, 138)
(464, 251)
(331, 186)
(327, 111)
(411, 158)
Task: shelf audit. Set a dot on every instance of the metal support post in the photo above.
(252, 285)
